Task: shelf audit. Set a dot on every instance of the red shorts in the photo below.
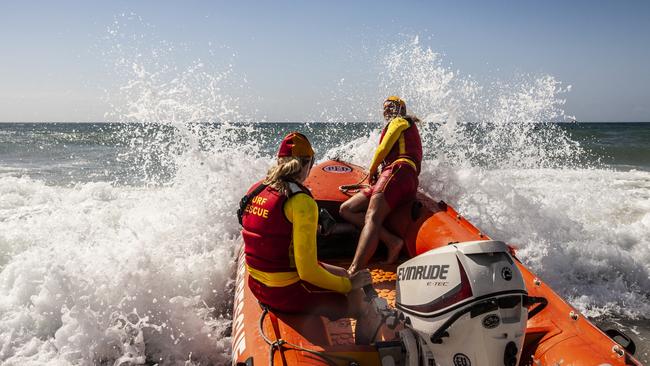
(398, 183)
(301, 297)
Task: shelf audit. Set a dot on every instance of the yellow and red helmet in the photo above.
(394, 106)
(295, 144)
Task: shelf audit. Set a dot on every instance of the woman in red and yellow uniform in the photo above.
(400, 155)
(280, 220)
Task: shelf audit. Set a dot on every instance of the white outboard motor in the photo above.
(463, 304)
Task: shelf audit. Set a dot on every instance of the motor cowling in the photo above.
(464, 304)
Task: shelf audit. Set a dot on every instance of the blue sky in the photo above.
(57, 64)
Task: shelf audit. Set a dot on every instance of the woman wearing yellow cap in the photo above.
(400, 154)
(280, 220)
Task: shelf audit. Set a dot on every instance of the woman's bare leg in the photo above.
(355, 210)
(372, 232)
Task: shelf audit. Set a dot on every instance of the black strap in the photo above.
(246, 200)
(301, 189)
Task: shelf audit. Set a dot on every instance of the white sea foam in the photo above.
(584, 231)
(99, 274)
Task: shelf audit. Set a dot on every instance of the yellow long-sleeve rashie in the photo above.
(394, 132)
(302, 212)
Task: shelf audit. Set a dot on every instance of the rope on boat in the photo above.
(354, 188)
(348, 189)
(279, 343)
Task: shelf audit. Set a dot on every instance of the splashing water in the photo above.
(493, 153)
(113, 274)
(124, 272)
(503, 125)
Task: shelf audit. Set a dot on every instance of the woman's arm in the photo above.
(302, 211)
(395, 129)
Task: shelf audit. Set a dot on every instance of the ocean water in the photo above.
(117, 240)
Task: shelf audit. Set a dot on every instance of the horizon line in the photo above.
(243, 122)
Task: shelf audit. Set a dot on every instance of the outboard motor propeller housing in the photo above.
(463, 305)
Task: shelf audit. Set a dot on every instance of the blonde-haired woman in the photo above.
(280, 221)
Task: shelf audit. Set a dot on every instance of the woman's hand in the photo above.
(373, 177)
(360, 279)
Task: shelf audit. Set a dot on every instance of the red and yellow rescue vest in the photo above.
(408, 147)
(267, 235)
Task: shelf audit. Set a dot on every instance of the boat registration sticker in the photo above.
(506, 273)
(340, 169)
(491, 321)
(461, 360)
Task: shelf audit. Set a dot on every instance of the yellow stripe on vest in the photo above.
(402, 144)
(405, 160)
(273, 279)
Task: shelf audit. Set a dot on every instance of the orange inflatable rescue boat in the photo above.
(456, 298)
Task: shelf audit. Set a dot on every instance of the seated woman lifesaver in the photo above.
(279, 230)
(400, 155)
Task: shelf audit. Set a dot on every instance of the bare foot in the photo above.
(393, 251)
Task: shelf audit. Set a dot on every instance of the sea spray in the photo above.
(493, 153)
(115, 273)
